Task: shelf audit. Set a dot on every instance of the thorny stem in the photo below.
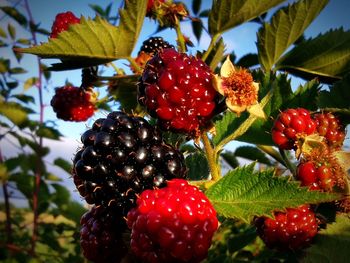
(41, 120)
(211, 157)
(211, 46)
(180, 36)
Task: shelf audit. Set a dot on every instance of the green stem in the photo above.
(211, 46)
(244, 126)
(287, 162)
(118, 70)
(180, 37)
(136, 67)
(211, 157)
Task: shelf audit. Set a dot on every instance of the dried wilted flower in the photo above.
(239, 88)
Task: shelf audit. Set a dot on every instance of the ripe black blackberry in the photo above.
(101, 235)
(154, 44)
(122, 156)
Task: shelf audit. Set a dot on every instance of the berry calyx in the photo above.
(172, 224)
(123, 155)
(290, 230)
(62, 23)
(101, 235)
(330, 127)
(73, 104)
(177, 89)
(290, 125)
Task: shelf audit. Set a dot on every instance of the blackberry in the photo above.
(101, 235)
(177, 89)
(154, 45)
(122, 156)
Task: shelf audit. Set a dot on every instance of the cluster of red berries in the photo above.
(177, 89)
(62, 23)
(295, 228)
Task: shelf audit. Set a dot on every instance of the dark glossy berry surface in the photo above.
(172, 224)
(101, 235)
(290, 230)
(73, 104)
(331, 128)
(291, 124)
(154, 44)
(177, 89)
(62, 22)
(121, 156)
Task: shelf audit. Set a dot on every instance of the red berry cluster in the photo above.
(62, 23)
(177, 89)
(331, 128)
(290, 230)
(73, 103)
(291, 124)
(172, 224)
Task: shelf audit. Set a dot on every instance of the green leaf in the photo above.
(4, 65)
(338, 97)
(64, 164)
(215, 56)
(98, 9)
(326, 57)
(13, 111)
(253, 154)
(230, 158)
(331, 244)
(12, 31)
(2, 33)
(198, 166)
(24, 41)
(196, 6)
(197, 28)
(24, 98)
(287, 25)
(48, 132)
(13, 12)
(94, 42)
(124, 90)
(248, 60)
(226, 14)
(30, 83)
(17, 70)
(61, 195)
(131, 21)
(305, 96)
(244, 193)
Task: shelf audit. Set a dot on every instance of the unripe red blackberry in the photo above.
(291, 124)
(122, 156)
(290, 230)
(330, 127)
(318, 176)
(73, 103)
(177, 89)
(172, 224)
(62, 22)
(154, 45)
(101, 235)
